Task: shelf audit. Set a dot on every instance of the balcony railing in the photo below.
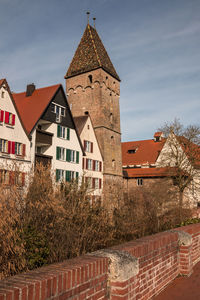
(43, 138)
(42, 158)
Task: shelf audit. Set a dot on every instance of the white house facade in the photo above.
(15, 157)
(54, 138)
(93, 161)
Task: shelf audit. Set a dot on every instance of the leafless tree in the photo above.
(181, 153)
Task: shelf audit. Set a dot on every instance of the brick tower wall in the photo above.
(97, 93)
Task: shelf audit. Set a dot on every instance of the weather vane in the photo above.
(88, 15)
(94, 22)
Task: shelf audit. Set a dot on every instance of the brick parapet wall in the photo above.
(138, 269)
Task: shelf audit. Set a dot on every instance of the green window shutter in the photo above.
(57, 152)
(77, 157)
(68, 134)
(57, 175)
(58, 131)
(76, 175)
(68, 155)
(67, 176)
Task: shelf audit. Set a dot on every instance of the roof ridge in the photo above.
(93, 43)
(42, 88)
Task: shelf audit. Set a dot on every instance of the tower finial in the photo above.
(88, 15)
(94, 22)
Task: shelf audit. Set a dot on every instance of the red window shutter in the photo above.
(9, 146)
(100, 183)
(93, 183)
(91, 147)
(6, 117)
(13, 148)
(23, 179)
(1, 115)
(24, 150)
(13, 119)
(93, 167)
(84, 145)
(86, 163)
(100, 166)
(83, 164)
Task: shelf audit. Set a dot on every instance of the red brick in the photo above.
(30, 292)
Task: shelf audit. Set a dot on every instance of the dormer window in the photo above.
(158, 136)
(131, 151)
(58, 109)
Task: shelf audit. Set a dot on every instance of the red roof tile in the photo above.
(148, 172)
(31, 108)
(1, 81)
(146, 152)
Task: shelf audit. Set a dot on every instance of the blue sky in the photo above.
(153, 44)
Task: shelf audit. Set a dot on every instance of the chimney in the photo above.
(30, 89)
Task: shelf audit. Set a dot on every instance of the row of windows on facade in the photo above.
(12, 177)
(62, 175)
(12, 147)
(90, 164)
(67, 155)
(93, 183)
(7, 117)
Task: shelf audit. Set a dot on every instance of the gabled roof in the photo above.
(32, 107)
(141, 152)
(3, 82)
(90, 55)
(148, 172)
(80, 123)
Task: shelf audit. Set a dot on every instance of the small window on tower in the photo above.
(90, 78)
(113, 164)
(111, 117)
(2, 94)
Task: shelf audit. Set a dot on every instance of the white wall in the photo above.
(89, 135)
(13, 133)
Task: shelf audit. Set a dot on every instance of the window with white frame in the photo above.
(60, 175)
(63, 132)
(62, 153)
(18, 148)
(97, 165)
(89, 164)
(96, 183)
(58, 109)
(3, 145)
(88, 146)
(89, 182)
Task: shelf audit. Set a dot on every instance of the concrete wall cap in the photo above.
(122, 266)
(184, 238)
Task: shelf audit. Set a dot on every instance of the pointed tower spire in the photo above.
(90, 55)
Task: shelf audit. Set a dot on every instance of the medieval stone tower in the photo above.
(93, 87)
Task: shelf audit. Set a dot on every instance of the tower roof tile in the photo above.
(90, 55)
